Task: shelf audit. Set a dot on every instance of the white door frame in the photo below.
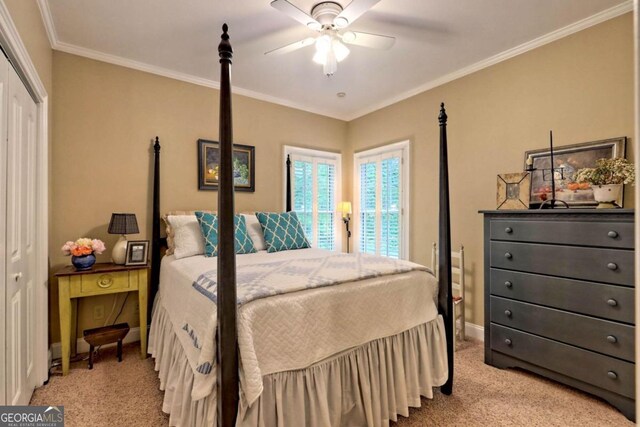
(19, 57)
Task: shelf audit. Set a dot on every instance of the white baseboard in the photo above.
(474, 331)
(83, 347)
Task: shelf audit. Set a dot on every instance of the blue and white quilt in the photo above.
(271, 276)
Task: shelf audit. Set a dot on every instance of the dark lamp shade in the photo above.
(123, 223)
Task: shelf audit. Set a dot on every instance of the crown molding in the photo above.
(583, 24)
(47, 19)
(575, 27)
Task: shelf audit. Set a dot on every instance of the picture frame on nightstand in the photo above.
(137, 252)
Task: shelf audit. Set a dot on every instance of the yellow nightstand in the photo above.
(101, 279)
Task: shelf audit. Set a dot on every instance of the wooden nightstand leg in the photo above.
(119, 350)
(90, 357)
(142, 308)
(64, 302)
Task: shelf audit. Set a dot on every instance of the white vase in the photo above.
(607, 195)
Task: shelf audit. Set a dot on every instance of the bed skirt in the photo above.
(365, 386)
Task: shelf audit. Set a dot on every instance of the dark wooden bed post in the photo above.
(445, 303)
(228, 380)
(288, 165)
(155, 230)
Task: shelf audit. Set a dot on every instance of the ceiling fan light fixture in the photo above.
(340, 50)
(314, 25)
(323, 44)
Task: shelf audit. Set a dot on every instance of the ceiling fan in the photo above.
(330, 19)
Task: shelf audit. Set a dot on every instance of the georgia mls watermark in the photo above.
(31, 416)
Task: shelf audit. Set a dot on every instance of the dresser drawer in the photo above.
(605, 234)
(101, 283)
(602, 371)
(596, 264)
(595, 299)
(610, 338)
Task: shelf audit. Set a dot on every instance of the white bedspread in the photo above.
(293, 330)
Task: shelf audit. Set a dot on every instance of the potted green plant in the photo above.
(607, 179)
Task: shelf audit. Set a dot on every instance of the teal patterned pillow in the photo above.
(282, 231)
(209, 227)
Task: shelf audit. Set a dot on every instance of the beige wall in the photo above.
(104, 119)
(580, 86)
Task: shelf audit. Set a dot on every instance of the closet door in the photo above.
(20, 235)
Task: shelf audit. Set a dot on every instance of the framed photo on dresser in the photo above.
(568, 160)
(137, 252)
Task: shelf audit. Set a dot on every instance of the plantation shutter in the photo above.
(314, 189)
(380, 210)
(303, 195)
(390, 209)
(326, 183)
(367, 237)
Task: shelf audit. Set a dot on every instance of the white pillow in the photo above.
(255, 232)
(188, 240)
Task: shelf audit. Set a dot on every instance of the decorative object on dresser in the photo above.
(123, 224)
(83, 252)
(137, 252)
(101, 279)
(559, 298)
(513, 190)
(345, 210)
(244, 165)
(607, 180)
(568, 160)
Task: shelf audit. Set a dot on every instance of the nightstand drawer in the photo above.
(596, 264)
(602, 371)
(604, 234)
(610, 302)
(610, 338)
(107, 282)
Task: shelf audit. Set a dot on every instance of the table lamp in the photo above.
(123, 224)
(345, 209)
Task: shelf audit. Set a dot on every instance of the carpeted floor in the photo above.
(127, 394)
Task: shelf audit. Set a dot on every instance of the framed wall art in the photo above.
(243, 166)
(568, 160)
(513, 191)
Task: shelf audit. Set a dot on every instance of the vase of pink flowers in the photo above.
(83, 252)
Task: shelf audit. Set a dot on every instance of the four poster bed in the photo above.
(295, 337)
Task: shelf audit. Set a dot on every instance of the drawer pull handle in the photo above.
(612, 302)
(508, 342)
(508, 313)
(508, 255)
(105, 281)
(508, 230)
(612, 339)
(612, 266)
(612, 375)
(612, 234)
(508, 284)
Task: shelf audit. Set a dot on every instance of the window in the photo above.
(381, 200)
(315, 184)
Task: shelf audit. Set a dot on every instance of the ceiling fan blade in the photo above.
(292, 46)
(374, 41)
(352, 12)
(293, 12)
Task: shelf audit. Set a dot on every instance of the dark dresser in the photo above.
(559, 298)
